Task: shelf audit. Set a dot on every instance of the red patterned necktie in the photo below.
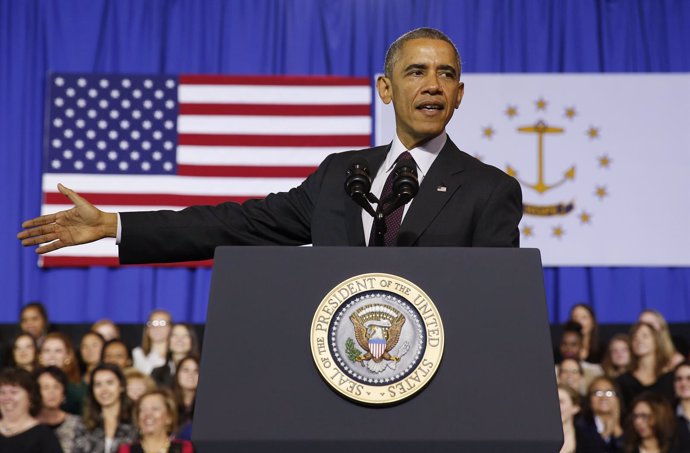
(394, 218)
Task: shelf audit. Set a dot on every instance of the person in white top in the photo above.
(154, 343)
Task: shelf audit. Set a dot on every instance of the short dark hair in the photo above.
(418, 33)
(56, 373)
(21, 378)
(574, 327)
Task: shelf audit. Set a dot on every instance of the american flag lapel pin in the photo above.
(441, 189)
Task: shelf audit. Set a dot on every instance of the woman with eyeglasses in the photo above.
(650, 426)
(603, 414)
(154, 343)
(681, 385)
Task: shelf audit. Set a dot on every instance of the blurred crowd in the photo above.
(96, 395)
(630, 394)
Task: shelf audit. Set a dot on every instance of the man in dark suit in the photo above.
(461, 201)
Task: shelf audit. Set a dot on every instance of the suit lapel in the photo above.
(353, 213)
(438, 186)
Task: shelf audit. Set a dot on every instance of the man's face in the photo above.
(425, 89)
(32, 322)
(571, 344)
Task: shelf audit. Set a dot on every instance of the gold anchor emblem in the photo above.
(541, 128)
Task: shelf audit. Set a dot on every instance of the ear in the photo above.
(576, 410)
(461, 92)
(385, 89)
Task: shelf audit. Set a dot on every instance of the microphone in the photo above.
(358, 183)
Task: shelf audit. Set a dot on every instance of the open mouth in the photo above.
(430, 106)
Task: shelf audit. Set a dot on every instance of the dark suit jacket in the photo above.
(481, 206)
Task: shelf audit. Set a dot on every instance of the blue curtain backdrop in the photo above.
(338, 37)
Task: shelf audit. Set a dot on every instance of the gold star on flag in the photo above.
(557, 231)
(604, 161)
(488, 132)
(593, 132)
(511, 111)
(527, 231)
(570, 112)
(585, 217)
(601, 192)
(541, 104)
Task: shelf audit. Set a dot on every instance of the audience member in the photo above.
(571, 348)
(617, 358)
(138, 383)
(650, 426)
(184, 389)
(90, 350)
(584, 315)
(107, 329)
(52, 382)
(117, 353)
(107, 414)
(24, 352)
(575, 439)
(183, 342)
(20, 402)
(655, 319)
(603, 414)
(681, 385)
(154, 343)
(57, 350)
(570, 373)
(33, 319)
(647, 366)
(156, 418)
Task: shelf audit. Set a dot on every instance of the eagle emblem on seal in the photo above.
(377, 330)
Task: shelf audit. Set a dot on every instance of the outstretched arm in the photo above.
(82, 224)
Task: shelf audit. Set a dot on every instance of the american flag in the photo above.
(136, 142)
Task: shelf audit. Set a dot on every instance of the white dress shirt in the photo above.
(423, 156)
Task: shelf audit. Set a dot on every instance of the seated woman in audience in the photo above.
(24, 352)
(107, 329)
(156, 417)
(117, 353)
(183, 342)
(33, 319)
(655, 319)
(57, 351)
(584, 315)
(20, 431)
(681, 385)
(617, 358)
(650, 426)
(90, 349)
(603, 415)
(52, 382)
(184, 390)
(154, 343)
(138, 383)
(575, 438)
(647, 366)
(107, 414)
(570, 373)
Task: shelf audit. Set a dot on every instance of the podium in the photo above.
(260, 390)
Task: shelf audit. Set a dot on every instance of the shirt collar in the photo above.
(423, 155)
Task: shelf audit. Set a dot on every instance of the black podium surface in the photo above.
(260, 391)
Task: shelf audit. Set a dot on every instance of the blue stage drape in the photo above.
(339, 37)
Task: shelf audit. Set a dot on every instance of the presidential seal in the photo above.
(377, 338)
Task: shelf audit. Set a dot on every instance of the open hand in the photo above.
(82, 224)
